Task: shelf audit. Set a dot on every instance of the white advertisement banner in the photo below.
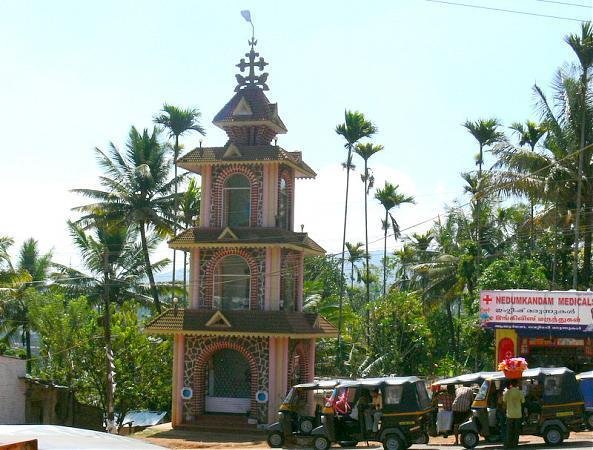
(537, 310)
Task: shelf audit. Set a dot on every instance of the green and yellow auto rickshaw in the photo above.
(299, 413)
(392, 410)
(442, 422)
(553, 407)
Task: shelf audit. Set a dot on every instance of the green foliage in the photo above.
(514, 273)
(72, 354)
(400, 337)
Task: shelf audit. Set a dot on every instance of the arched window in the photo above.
(236, 202)
(283, 205)
(232, 278)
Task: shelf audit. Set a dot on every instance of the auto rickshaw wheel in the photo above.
(321, 443)
(275, 439)
(422, 439)
(393, 442)
(589, 421)
(469, 439)
(306, 426)
(553, 435)
(348, 443)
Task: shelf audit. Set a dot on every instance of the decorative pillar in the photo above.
(177, 385)
(206, 200)
(194, 283)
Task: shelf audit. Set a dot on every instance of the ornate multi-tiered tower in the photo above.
(243, 339)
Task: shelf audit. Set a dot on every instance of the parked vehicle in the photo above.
(443, 392)
(299, 413)
(392, 410)
(586, 384)
(553, 407)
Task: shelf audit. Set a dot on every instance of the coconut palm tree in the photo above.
(486, 133)
(365, 151)
(5, 243)
(550, 174)
(583, 48)
(189, 207)
(115, 267)
(355, 254)
(389, 197)
(31, 271)
(354, 128)
(138, 192)
(530, 134)
(177, 122)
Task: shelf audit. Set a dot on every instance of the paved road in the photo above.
(577, 441)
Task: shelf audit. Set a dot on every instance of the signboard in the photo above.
(537, 310)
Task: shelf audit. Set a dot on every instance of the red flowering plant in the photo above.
(513, 367)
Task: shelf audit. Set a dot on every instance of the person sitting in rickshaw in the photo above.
(376, 408)
(341, 405)
(364, 410)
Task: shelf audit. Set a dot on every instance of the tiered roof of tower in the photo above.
(251, 122)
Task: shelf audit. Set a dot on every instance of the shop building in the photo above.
(547, 328)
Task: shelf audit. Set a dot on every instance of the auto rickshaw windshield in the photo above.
(483, 390)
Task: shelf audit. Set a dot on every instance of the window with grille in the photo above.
(236, 201)
(232, 279)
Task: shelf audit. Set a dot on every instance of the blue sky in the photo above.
(76, 75)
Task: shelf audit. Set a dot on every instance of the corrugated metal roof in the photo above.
(144, 418)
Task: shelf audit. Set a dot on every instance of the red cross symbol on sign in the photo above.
(487, 299)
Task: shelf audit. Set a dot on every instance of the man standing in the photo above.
(464, 396)
(513, 398)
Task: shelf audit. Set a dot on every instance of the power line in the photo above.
(579, 5)
(489, 8)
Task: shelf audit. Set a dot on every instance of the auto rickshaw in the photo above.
(299, 413)
(442, 421)
(402, 420)
(586, 383)
(553, 407)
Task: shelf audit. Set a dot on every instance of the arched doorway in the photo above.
(228, 383)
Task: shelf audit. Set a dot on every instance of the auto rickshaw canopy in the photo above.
(320, 384)
(468, 378)
(585, 375)
(559, 383)
(400, 394)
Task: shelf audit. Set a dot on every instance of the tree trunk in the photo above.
(451, 326)
(478, 207)
(176, 154)
(149, 274)
(109, 385)
(342, 283)
(366, 233)
(385, 254)
(185, 278)
(28, 347)
(577, 220)
(587, 245)
(367, 256)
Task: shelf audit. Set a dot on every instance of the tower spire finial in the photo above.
(247, 16)
(251, 79)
